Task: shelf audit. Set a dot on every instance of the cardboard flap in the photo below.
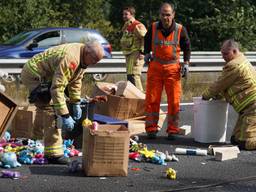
(104, 130)
(8, 110)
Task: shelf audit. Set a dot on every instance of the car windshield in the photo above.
(19, 38)
(98, 37)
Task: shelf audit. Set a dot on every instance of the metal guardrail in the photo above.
(200, 62)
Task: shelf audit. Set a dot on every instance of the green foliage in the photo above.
(208, 22)
(228, 19)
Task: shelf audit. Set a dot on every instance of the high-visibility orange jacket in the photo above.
(166, 50)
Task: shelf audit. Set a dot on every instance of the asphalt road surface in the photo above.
(194, 173)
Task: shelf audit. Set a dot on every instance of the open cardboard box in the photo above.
(105, 151)
(118, 107)
(8, 110)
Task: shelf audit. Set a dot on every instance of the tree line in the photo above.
(208, 22)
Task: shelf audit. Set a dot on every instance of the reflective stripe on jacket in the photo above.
(61, 66)
(133, 37)
(237, 83)
(166, 50)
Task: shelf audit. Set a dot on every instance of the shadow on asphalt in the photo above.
(56, 170)
(179, 141)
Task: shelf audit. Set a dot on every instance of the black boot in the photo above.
(58, 160)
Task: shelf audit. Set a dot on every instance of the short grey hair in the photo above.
(230, 44)
(168, 5)
(94, 47)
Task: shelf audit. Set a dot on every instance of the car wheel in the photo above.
(100, 76)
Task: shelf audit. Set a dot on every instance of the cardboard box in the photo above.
(105, 151)
(185, 130)
(136, 127)
(8, 110)
(226, 154)
(212, 149)
(128, 90)
(118, 107)
(22, 125)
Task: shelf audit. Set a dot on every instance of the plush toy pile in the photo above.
(139, 152)
(14, 152)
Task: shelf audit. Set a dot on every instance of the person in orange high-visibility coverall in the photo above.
(162, 45)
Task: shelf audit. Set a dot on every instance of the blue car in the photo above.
(29, 43)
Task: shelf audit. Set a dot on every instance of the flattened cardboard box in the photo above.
(8, 110)
(118, 107)
(105, 152)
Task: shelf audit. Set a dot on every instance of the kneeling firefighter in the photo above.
(238, 85)
(47, 76)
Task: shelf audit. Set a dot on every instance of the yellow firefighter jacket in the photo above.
(237, 84)
(61, 66)
(133, 37)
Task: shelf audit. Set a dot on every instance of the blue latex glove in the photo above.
(68, 123)
(184, 70)
(77, 111)
(85, 100)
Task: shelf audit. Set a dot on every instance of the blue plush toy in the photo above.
(38, 148)
(68, 142)
(66, 151)
(66, 147)
(9, 160)
(25, 157)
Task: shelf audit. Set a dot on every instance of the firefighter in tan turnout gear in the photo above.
(47, 75)
(132, 43)
(238, 85)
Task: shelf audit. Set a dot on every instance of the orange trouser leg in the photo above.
(172, 85)
(153, 96)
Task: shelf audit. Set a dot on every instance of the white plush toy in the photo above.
(3, 75)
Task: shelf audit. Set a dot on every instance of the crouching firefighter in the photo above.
(238, 85)
(47, 75)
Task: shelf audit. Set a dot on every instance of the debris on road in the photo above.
(185, 151)
(135, 169)
(171, 173)
(212, 149)
(74, 166)
(139, 152)
(10, 174)
(185, 130)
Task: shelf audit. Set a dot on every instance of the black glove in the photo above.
(205, 98)
(148, 57)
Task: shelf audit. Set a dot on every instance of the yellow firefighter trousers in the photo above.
(134, 67)
(245, 128)
(46, 117)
